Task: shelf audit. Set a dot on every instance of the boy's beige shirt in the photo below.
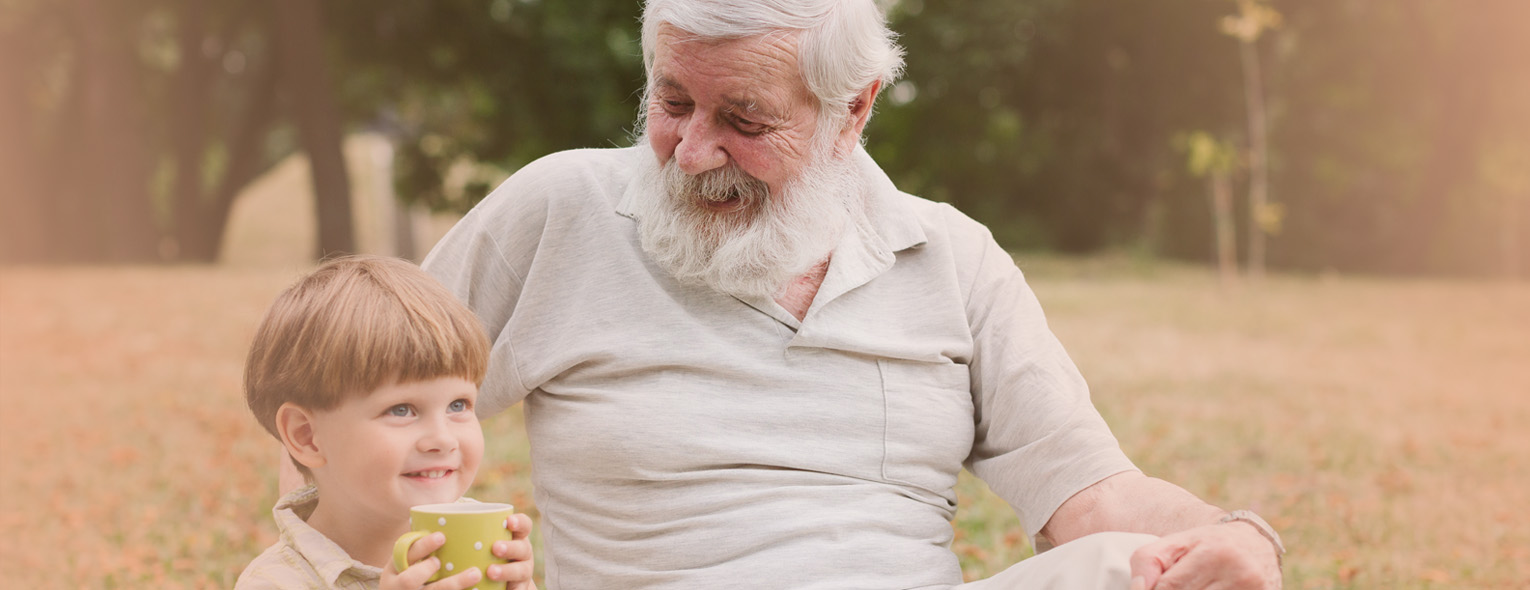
(303, 558)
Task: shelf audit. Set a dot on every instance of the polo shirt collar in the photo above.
(888, 210)
(328, 559)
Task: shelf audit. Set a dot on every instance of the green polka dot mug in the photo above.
(471, 529)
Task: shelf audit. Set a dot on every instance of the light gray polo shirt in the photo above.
(682, 438)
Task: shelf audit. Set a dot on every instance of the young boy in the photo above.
(367, 371)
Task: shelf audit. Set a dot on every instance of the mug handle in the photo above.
(401, 549)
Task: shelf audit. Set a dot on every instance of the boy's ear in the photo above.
(295, 426)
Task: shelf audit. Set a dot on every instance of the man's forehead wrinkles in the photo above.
(745, 103)
(664, 81)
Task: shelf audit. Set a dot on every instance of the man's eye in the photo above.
(401, 410)
(749, 127)
(460, 405)
(676, 106)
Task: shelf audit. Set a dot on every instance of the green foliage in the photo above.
(486, 86)
(1050, 120)
(1207, 155)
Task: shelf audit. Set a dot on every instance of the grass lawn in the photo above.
(1379, 423)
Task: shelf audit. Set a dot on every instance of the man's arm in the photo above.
(1196, 547)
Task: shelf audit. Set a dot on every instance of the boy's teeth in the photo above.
(430, 474)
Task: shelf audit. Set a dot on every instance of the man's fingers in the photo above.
(1150, 561)
(1198, 563)
(520, 526)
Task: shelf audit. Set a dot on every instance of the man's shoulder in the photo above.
(585, 160)
(571, 172)
(570, 183)
(942, 222)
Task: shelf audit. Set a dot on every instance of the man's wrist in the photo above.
(1264, 529)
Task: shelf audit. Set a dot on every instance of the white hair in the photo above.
(843, 45)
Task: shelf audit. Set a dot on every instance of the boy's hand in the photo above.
(517, 573)
(423, 566)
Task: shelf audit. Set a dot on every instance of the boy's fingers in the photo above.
(512, 550)
(415, 575)
(466, 579)
(520, 526)
(519, 571)
(425, 546)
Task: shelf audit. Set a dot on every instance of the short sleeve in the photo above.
(1039, 439)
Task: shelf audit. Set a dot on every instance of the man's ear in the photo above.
(860, 113)
(295, 426)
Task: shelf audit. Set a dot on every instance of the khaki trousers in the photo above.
(1101, 561)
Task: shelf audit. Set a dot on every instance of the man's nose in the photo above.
(700, 148)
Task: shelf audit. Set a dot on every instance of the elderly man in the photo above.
(747, 360)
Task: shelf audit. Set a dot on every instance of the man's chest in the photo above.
(689, 389)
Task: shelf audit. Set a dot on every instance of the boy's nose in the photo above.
(438, 437)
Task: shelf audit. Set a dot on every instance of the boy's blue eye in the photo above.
(460, 405)
(400, 410)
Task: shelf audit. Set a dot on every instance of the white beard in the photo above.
(755, 250)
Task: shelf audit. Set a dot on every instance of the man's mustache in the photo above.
(722, 185)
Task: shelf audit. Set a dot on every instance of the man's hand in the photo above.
(1234, 556)
(517, 573)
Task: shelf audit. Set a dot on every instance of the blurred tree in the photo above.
(77, 44)
(1380, 142)
(1254, 18)
(140, 120)
(223, 102)
(1505, 174)
(1051, 120)
(1215, 160)
(471, 90)
(299, 25)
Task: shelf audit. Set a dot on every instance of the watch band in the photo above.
(1263, 527)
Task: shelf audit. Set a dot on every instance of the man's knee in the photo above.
(1107, 557)
(1101, 561)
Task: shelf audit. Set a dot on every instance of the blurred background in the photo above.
(1373, 136)
(1285, 241)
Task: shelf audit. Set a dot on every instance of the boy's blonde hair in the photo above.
(353, 325)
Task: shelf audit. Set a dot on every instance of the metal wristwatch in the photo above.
(1264, 529)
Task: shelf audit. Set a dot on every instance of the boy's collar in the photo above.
(329, 561)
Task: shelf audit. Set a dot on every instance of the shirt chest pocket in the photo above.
(929, 425)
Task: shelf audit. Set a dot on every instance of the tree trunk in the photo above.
(189, 129)
(110, 208)
(201, 216)
(1220, 185)
(1509, 246)
(304, 74)
(23, 216)
(1259, 179)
